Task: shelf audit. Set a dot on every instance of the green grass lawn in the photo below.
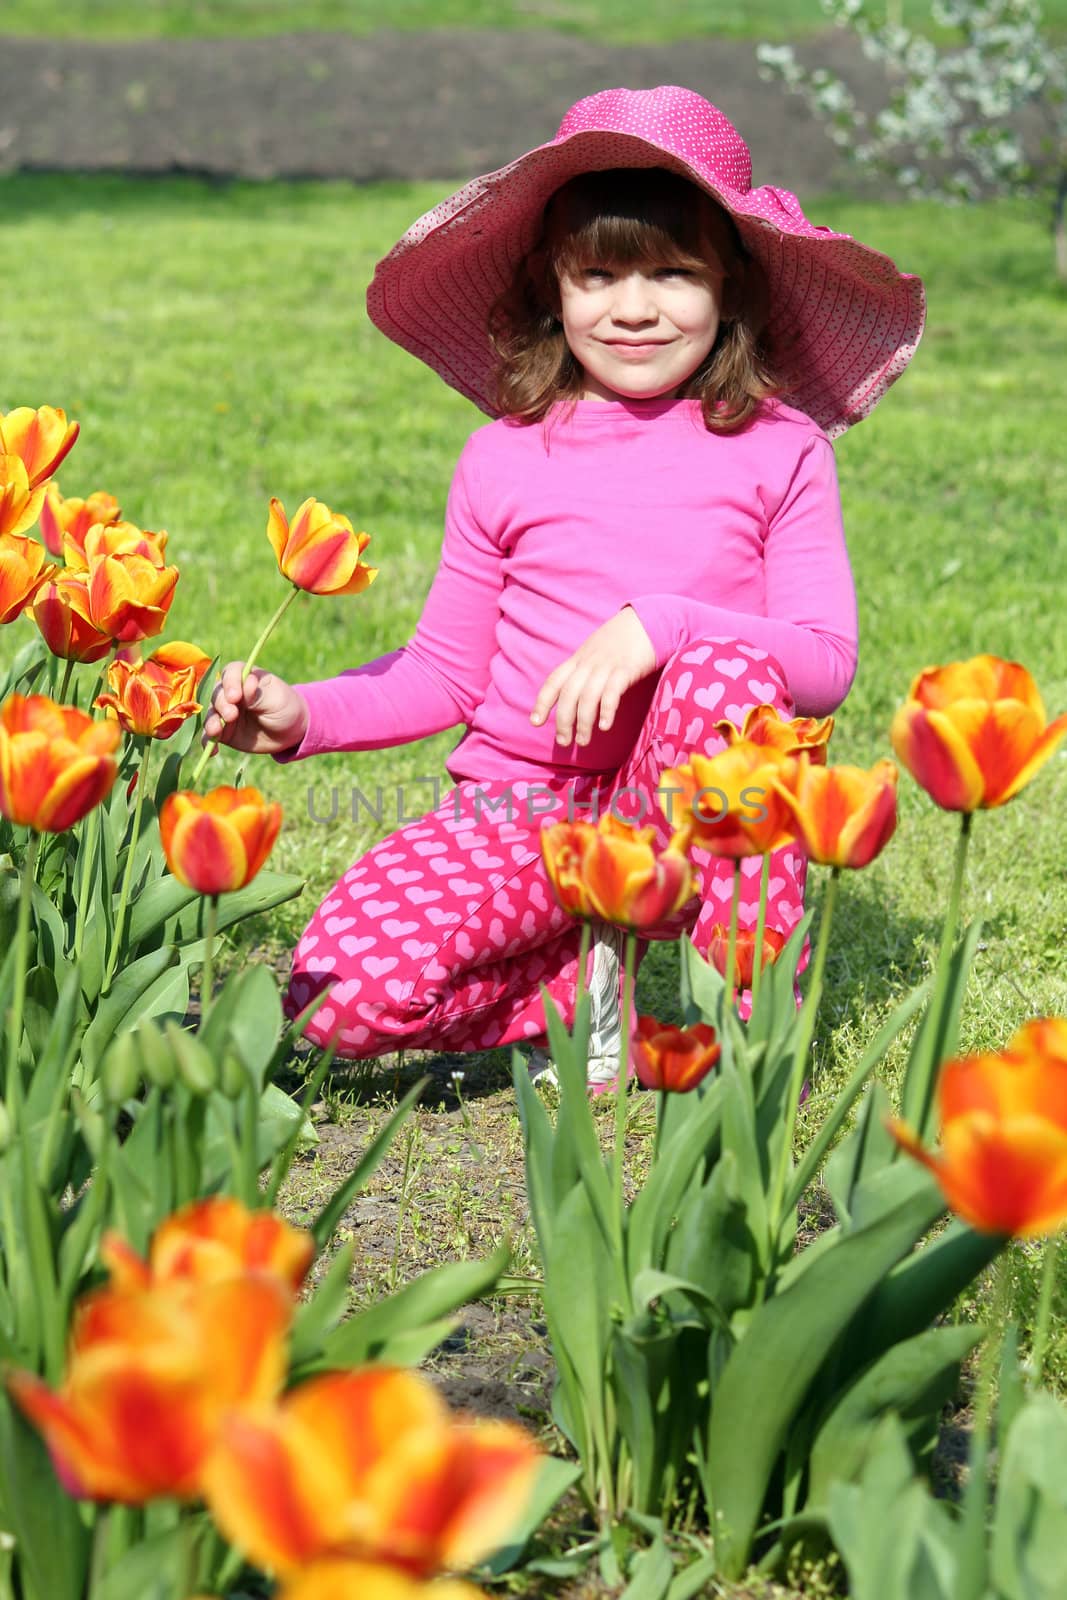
(615, 21)
(214, 345)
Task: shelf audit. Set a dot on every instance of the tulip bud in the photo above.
(195, 1063)
(157, 1058)
(122, 1070)
(233, 1075)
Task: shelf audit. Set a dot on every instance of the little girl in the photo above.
(646, 540)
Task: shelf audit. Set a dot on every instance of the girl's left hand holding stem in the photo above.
(613, 658)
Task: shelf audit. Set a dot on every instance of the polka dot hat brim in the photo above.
(842, 315)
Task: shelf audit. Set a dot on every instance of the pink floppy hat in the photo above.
(849, 320)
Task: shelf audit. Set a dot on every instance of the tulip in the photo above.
(744, 951)
(674, 1059)
(63, 612)
(319, 552)
(20, 505)
(844, 816)
(73, 518)
(154, 697)
(610, 871)
(360, 1580)
(22, 573)
(368, 1465)
(82, 551)
(974, 733)
(211, 1241)
(1002, 1164)
(763, 724)
(129, 592)
(732, 805)
(217, 842)
(56, 763)
(149, 1380)
(41, 438)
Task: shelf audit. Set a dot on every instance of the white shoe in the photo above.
(605, 1023)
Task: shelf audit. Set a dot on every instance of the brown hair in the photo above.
(632, 216)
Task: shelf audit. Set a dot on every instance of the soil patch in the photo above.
(398, 105)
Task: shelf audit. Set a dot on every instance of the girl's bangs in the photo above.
(635, 217)
(628, 242)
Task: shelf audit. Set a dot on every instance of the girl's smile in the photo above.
(640, 332)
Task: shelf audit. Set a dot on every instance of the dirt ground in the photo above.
(392, 105)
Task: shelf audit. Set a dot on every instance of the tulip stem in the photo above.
(925, 1090)
(973, 1563)
(622, 1082)
(13, 1087)
(805, 1034)
(1044, 1310)
(250, 1144)
(61, 698)
(127, 875)
(249, 664)
(207, 971)
(86, 851)
(761, 921)
(731, 938)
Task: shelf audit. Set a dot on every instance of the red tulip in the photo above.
(671, 1058)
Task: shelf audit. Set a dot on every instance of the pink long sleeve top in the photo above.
(553, 527)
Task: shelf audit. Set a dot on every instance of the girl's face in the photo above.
(639, 332)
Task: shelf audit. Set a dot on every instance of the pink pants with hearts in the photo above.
(442, 934)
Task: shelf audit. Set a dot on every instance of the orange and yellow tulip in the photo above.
(154, 697)
(671, 1058)
(1002, 1163)
(41, 438)
(82, 550)
(56, 763)
(368, 1465)
(72, 518)
(217, 842)
(319, 551)
(23, 570)
(744, 951)
(363, 1580)
(730, 802)
(20, 505)
(764, 724)
(844, 816)
(974, 733)
(63, 612)
(130, 593)
(210, 1241)
(149, 1380)
(610, 870)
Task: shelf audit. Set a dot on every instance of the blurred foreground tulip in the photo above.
(72, 518)
(361, 1580)
(368, 1464)
(41, 438)
(728, 803)
(149, 1380)
(974, 733)
(154, 697)
(844, 816)
(673, 1059)
(319, 551)
(56, 763)
(23, 569)
(1002, 1164)
(611, 871)
(744, 951)
(210, 1241)
(217, 842)
(763, 724)
(20, 505)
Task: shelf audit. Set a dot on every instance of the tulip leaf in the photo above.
(267, 890)
(342, 1197)
(785, 1344)
(576, 1152)
(323, 1310)
(554, 1478)
(713, 1244)
(51, 1540)
(1029, 1544)
(154, 906)
(936, 1038)
(121, 1008)
(51, 934)
(537, 1138)
(257, 1020)
(867, 1150)
(28, 664)
(656, 1205)
(914, 1380)
(146, 1571)
(579, 1278)
(369, 1335)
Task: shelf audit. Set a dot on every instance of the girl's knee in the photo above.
(727, 676)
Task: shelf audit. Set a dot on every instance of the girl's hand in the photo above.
(264, 715)
(596, 676)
